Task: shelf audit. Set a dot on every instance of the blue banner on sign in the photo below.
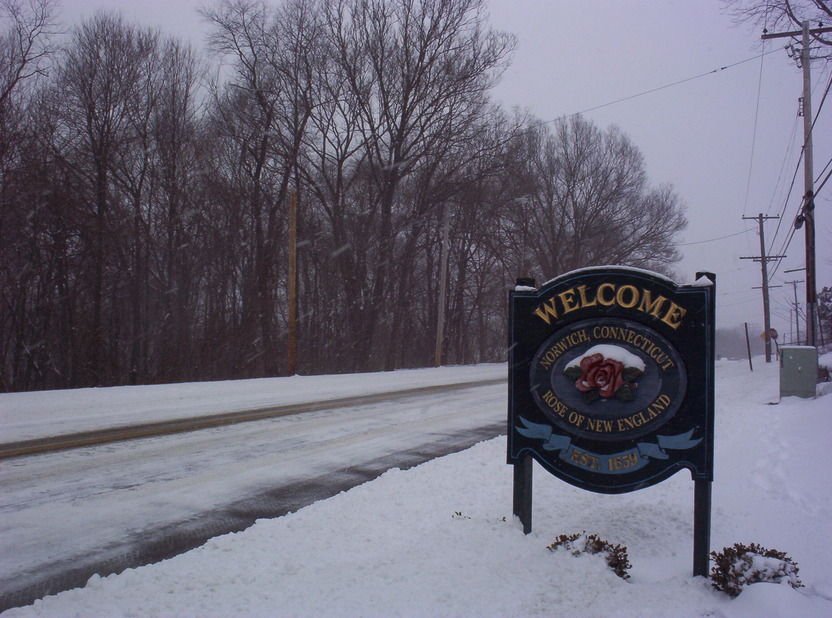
(621, 462)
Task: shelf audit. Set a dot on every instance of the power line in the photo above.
(783, 250)
(790, 236)
(699, 242)
(828, 163)
(780, 185)
(824, 180)
(786, 203)
(676, 83)
(753, 136)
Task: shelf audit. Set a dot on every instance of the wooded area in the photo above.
(145, 191)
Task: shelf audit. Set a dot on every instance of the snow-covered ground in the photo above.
(40, 414)
(102, 509)
(440, 540)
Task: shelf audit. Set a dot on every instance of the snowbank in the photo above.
(39, 414)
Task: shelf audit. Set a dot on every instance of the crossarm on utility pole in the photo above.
(764, 259)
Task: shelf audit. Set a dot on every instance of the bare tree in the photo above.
(786, 15)
(590, 204)
(419, 72)
(103, 78)
(25, 43)
(270, 90)
(25, 51)
(143, 225)
(176, 219)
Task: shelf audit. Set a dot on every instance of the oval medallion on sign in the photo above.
(608, 379)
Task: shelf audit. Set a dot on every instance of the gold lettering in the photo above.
(567, 298)
(584, 459)
(575, 418)
(599, 425)
(674, 315)
(619, 297)
(554, 403)
(561, 346)
(625, 423)
(607, 295)
(584, 301)
(600, 296)
(621, 462)
(546, 311)
(648, 305)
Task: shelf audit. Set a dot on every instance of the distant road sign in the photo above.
(772, 334)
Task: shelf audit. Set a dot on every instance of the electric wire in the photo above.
(794, 176)
(430, 212)
(670, 85)
(786, 203)
(754, 133)
(700, 242)
(779, 185)
(817, 190)
(786, 244)
(790, 236)
(817, 180)
(652, 90)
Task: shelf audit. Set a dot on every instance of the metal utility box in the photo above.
(798, 371)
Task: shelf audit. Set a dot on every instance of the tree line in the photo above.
(145, 189)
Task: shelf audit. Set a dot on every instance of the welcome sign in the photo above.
(611, 374)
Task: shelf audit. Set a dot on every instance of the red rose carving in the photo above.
(601, 373)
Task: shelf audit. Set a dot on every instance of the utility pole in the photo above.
(807, 214)
(292, 352)
(764, 259)
(796, 307)
(443, 285)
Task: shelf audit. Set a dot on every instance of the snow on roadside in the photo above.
(439, 539)
(38, 414)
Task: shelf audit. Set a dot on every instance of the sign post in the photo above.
(611, 376)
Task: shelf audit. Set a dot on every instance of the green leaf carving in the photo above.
(631, 373)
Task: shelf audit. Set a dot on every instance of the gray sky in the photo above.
(574, 55)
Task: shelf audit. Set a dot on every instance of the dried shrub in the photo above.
(742, 565)
(615, 555)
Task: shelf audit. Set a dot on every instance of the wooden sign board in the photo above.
(611, 378)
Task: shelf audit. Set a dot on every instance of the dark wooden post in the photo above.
(523, 468)
(523, 492)
(702, 489)
(701, 527)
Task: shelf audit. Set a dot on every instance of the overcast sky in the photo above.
(574, 55)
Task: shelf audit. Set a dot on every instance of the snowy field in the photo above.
(440, 540)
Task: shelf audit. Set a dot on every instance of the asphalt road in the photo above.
(102, 509)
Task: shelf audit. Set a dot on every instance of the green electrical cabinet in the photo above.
(798, 371)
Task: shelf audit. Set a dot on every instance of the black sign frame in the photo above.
(611, 385)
